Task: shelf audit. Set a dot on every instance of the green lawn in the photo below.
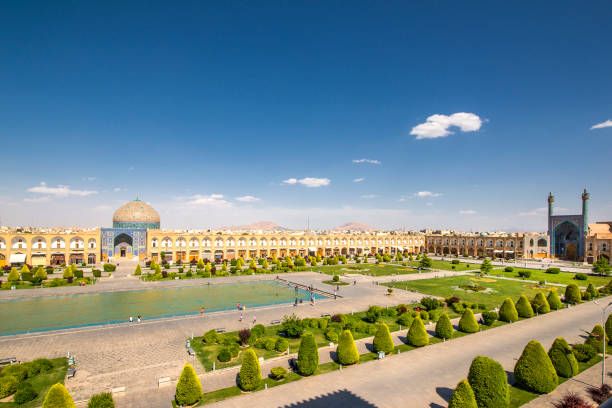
(497, 289)
(42, 382)
(564, 278)
(448, 266)
(366, 269)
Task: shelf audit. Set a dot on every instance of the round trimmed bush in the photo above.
(347, 350)
(507, 311)
(553, 300)
(584, 352)
(417, 335)
(540, 304)
(19, 371)
(382, 339)
(308, 355)
(405, 319)
(281, 345)
(101, 400)
(534, 371)
(523, 307)
(188, 388)
(489, 317)
(572, 294)
(278, 373)
(563, 359)
(463, 396)
(8, 385)
(592, 291)
(332, 336)
(468, 323)
(444, 327)
(489, 383)
(596, 338)
(25, 393)
(224, 355)
(250, 371)
(58, 397)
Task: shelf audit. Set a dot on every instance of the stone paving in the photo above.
(136, 355)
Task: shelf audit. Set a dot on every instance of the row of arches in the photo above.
(482, 243)
(41, 243)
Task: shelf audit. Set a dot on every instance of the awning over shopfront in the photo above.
(17, 258)
(39, 260)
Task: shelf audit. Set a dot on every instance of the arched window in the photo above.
(542, 242)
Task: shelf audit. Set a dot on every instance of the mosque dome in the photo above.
(136, 214)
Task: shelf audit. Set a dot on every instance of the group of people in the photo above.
(242, 309)
(138, 319)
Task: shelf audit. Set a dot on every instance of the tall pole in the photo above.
(551, 237)
(604, 344)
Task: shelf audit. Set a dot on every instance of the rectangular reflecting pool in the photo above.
(26, 315)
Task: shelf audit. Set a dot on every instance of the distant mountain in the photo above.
(354, 226)
(256, 226)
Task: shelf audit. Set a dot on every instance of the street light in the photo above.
(604, 344)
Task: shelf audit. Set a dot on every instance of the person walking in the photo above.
(254, 320)
(131, 319)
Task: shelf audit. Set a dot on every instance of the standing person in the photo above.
(202, 311)
(131, 319)
(240, 320)
(254, 320)
(138, 319)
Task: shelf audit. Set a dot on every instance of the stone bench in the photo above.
(8, 360)
(190, 351)
(275, 322)
(71, 372)
(118, 390)
(163, 381)
(220, 330)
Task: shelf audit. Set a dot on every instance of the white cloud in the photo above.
(467, 212)
(309, 181)
(366, 161)
(59, 191)
(358, 180)
(438, 125)
(426, 194)
(119, 189)
(248, 199)
(41, 199)
(605, 124)
(213, 200)
(369, 196)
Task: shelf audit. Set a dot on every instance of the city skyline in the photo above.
(222, 115)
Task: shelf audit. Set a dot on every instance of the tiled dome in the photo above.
(136, 212)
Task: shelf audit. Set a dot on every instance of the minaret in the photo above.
(551, 237)
(585, 212)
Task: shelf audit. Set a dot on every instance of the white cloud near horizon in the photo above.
(59, 191)
(604, 124)
(248, 199)
(369, 196)
(311, 182)
(426, 194)
(213, 200)
(358, 180)
(438, 125)
(366, 161)
(467, 212)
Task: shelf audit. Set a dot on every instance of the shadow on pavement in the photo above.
(340, 398)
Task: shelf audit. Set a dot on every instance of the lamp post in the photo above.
(604, 344)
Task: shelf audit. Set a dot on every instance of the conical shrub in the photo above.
(58, 397)
(382, 339)
(463, 396)
(596, 337)
(592, 291)
(249, 377)
(13, 275)
(468, 323)
(188, 388)
(563, 359)
(138, 271)
(507, 311)
(523, 307)
(534, 371)
(489, 383)
(417, 335)
(101, 400)
(540, 304)
(308, 355)
(572, 294)
(347, 350)
(553, 300)
(444, 327)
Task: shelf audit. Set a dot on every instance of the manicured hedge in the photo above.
(382, 339)
(523, 307)
(25, 393)
(444, 327)
(347, 350)
(553, 300)
(188, 388)
(507, 311)
(249, 377)
(308, 355)
(563, 359)
(102, 400)
(572, 294)
(540, 304)
(417, 335)
(609, 328)
(468, 323)
(489, 383)
(534, 371)
(8, 385)
(463, 396)
(58, 397)
(596, 337)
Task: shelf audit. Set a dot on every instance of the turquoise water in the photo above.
(67, 311)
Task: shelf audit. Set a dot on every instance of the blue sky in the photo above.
(195, 106)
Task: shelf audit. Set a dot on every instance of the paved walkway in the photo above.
(136, 355)
(426, 376)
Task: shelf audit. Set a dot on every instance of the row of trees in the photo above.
(59, 397)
